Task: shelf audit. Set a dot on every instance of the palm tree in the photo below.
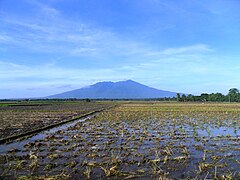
(233, 94)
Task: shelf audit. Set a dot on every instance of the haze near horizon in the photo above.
(49, 47)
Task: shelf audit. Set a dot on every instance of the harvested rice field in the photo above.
(20, 117)
(142, 140)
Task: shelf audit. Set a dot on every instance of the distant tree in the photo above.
(233, 95)
(88, 100)
(190, 97)
(184, 98)
(212, 97)
(197, 98)
(178, 97)
(219, 97)
(204, 97)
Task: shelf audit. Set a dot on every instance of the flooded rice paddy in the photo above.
(134, 140)
(20, 117)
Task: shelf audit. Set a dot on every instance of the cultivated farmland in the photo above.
(19, 117)
(134, 140)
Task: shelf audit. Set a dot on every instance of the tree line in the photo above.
(232, 96)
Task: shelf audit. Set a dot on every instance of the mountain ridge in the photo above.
(128, 89)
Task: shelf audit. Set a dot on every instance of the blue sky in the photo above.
(48, 47)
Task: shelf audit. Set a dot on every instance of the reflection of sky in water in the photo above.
(219, 131)
(20, 145)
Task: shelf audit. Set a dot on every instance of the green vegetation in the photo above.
(232, 96)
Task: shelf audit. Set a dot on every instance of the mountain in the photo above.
(119, 90)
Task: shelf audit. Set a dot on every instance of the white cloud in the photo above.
(170, 72)
(198, 48)
(56, 35)
(15, 75)
(5, 38)
(81, 51)
(64, 37)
